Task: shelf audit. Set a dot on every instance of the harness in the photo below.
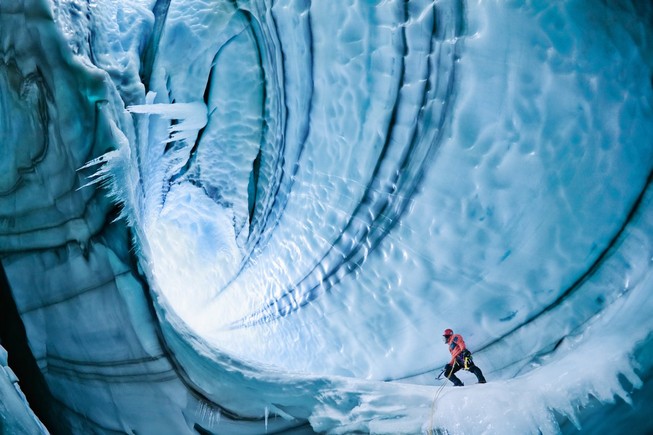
(464, 359)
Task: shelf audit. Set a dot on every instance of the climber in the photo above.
(461, 358)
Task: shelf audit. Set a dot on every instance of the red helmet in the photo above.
(447, 332)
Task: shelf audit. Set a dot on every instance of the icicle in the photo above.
(191, 116)
(267, 412)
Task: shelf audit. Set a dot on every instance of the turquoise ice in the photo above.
(258, 216)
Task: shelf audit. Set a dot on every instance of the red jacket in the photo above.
(456, 346)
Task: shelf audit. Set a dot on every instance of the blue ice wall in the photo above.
(240, 217)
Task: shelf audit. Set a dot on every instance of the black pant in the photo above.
(449, 371)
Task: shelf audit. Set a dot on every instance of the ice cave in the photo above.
(258, 216)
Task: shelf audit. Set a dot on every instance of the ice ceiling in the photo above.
(258, 216)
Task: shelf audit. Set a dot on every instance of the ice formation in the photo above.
(16, 415)
(258, 216)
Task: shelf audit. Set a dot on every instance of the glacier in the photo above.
(259, 216)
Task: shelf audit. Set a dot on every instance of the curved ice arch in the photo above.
(468, 191)
(328, 218)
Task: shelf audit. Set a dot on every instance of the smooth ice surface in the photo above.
(16, 417)
(310, 192)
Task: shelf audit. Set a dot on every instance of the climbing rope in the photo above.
(435, 398)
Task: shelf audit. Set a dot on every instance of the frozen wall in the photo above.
(17, 417)
(240, 217)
